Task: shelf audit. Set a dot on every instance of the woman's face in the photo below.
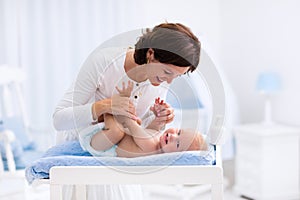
(174, 140)
(160, 72)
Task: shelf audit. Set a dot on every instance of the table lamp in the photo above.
(268, 84)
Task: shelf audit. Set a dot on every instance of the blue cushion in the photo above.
(22, 148)
(22, 158)
(17, 151)
(16, 125)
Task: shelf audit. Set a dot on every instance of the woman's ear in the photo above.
(150, 55)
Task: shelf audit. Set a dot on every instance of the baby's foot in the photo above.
(126, 90)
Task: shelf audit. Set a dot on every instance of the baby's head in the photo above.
(174, 140)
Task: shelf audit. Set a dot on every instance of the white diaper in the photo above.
(85, 137)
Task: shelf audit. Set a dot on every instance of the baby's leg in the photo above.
(112, 134)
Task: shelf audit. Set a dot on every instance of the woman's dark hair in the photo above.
(173, 43)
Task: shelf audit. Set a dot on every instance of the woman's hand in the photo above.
(122, 106)
(163, 112)
(116, 105)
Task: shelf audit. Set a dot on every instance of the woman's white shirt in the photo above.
(96, 80)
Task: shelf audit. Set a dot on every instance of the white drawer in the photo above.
(249, 154)
(248, 185)
(248, 167)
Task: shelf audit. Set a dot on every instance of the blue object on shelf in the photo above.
(268, 82)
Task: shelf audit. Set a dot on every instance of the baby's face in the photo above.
(173, 140)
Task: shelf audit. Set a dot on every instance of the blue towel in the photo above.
(71, 154)
(71, 148)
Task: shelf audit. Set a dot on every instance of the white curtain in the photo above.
(50, 39)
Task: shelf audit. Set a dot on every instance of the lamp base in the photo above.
(268, 123)
(268, 113)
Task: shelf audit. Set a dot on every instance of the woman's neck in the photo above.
(134, 71)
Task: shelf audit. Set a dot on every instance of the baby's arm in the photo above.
(145, 139)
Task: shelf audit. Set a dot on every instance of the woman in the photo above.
(160, 55)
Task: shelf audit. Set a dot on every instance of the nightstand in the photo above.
(267, 161)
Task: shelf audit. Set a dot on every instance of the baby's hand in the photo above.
(158, 106)
(164, 114)
(125, 91)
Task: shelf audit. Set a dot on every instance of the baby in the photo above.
(124, 137)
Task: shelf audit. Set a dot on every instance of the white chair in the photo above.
(10, 83)
(10, 80)
(6, 137)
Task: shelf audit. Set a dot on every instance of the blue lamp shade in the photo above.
(268, 82)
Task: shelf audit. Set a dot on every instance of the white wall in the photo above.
(262, 35)
(202, 16)
(243, 37)
(51, 39)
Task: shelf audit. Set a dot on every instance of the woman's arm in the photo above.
(74, 110)
(116, 105)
